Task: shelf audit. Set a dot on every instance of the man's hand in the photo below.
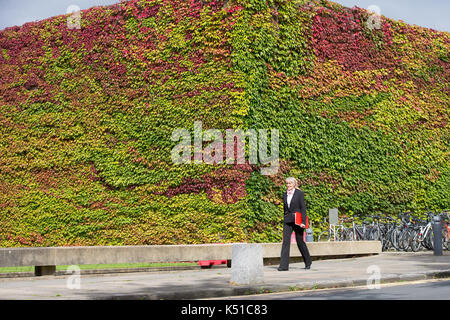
(302, 226)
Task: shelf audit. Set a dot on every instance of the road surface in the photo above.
(418, 290)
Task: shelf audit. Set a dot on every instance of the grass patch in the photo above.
(105, 266)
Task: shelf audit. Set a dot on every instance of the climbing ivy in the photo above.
(87, 117)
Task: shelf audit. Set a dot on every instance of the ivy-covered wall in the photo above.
(87, 117)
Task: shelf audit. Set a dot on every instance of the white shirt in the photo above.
(289, 198)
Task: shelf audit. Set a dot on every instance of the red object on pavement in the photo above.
(210, 263)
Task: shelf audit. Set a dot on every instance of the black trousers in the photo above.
(285, 247)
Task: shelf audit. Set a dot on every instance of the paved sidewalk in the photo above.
(216, 282)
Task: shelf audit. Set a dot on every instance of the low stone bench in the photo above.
(46, 259)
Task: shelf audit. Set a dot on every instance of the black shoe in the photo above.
(308, 267)
(281, 269)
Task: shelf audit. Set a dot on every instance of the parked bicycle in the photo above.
(404, 232)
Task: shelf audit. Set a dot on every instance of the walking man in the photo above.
(294, 201)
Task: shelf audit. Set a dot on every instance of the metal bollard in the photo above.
(309, 235)
(437, 236)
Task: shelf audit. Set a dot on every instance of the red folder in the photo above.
(298, 220)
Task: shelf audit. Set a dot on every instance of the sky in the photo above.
(431, 13)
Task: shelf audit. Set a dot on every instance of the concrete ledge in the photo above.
(53, 256)
(319, 249)
(14, 257)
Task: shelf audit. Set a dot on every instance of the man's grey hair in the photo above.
(293, 180)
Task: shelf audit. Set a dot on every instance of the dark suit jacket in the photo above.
(297, 205)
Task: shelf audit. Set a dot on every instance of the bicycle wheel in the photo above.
(386, 239)
(416, 244)
(345, 235)
(341, 234)
(394, 239)
(403, 240)
(374, 234)
(367, 233)
(428, 241)
(338, 235)
(412, 236)
(387, 242)
(348, 235)
(324, 236)
(358, 233)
